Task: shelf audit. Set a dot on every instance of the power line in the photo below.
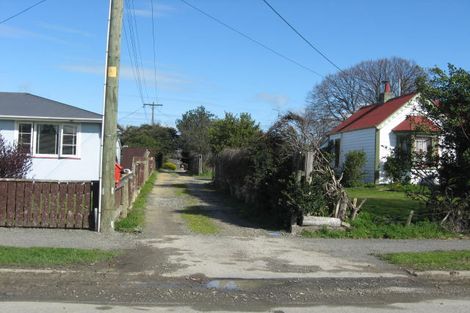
(138, 47)
(154, 54)
(132, 40)
(133, 67)
(22, 11)
(301, 36)
(130, 114)
(250, 38)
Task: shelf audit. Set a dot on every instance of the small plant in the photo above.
(169, 166)
(353, 172)
(397, 166)
(15, 161)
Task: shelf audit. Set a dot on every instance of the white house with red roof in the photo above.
(378, 128)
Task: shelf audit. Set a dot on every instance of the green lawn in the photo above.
(37, 257)
(384, 215)
(435, 260)
(381, 201)
(135, 219)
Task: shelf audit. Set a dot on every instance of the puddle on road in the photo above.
(234, 284)
(275, 233)
(223, 285)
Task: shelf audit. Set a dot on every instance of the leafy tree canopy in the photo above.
(450, 110)
(158, 138)
(233, 132)
(194, 128)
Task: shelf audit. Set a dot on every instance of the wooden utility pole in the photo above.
(153, 105)
(110, 115)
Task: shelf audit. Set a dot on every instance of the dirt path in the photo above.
(162, 213)
(176, 192)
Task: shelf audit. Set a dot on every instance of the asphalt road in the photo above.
(434, 306)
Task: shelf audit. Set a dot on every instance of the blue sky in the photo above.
(57, 50)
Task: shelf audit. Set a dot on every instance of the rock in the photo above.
(321, 221)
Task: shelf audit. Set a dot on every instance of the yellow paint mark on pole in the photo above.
(112, 71)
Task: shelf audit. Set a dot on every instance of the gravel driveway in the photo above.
(244, 251)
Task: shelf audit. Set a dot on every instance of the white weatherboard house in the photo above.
(378, 128)
(64, 141)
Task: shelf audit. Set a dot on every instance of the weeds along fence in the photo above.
(130, 184)
(48, 204)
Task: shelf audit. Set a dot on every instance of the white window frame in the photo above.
(425, 139)
(44, 155)
(17, 134)
(77, 144)
(60, 129)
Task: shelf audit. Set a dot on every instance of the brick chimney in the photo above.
(387, 94)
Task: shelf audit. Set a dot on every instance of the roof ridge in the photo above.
(398, 97)
(371, 109)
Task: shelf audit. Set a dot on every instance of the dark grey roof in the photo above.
(18, 104)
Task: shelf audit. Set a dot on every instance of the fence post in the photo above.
(199, 164)
(308, 165)
(410, 217)
(146, 168)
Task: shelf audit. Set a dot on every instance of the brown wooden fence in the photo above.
(129, 186)
(47, 204)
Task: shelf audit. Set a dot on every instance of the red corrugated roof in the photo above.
(412, 123)
(372, 115)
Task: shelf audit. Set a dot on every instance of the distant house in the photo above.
(64, 140)
(378, 128)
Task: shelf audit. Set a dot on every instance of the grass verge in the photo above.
(134, 220)
(36, 257)
(384, 215)
(434, 260)
(199, 223)
(196, 218)
(366, 226)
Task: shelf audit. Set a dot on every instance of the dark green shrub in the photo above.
(353, 172)
(306, 197)
(397, 166)
(169, 166)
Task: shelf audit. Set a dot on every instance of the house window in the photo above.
(25, 136)
(423, 145)
(403, 143)
(47, 139)
(69, 140)
(337, 151)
